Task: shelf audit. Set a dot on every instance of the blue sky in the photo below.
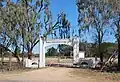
(67, 6)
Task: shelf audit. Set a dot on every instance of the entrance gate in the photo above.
(44, 43)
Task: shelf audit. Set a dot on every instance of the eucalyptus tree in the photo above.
(63, 30)
(31, 23)
(64, 26)
(10, 33)
(95, 15)
(116, 22)
(25, 20)
(38, 21)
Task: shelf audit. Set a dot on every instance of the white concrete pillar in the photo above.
(75, 50)
(41, 53)
(44, 55)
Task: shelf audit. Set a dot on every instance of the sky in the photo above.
(69, 8)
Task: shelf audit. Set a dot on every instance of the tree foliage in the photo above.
(22, 21)
(65, 50)
(94, 16)
(10, 32)
(51, 52)
(116, 22)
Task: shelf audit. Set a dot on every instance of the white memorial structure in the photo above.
(44, 43)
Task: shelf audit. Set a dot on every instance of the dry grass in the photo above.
(95, 75)
(57, 74)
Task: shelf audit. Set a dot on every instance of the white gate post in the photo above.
(75, 50)
(41, 53)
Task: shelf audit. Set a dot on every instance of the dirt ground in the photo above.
(59, 74)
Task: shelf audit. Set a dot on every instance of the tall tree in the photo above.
(27, 19)
(94, 15)
(63, 29)
(116, 21)
(10, 34)
(38, 20)
(31, 25)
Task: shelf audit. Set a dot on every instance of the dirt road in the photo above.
(50, 74)
(42, 75)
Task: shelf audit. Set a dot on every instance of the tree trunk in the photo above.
(2, 59)
(101, 57)
(99, 46)
(118, 39)
(23, 47)
(58, 57)
(18, 59)
(118, 53)
(30, 54)
(17, 56)
(10, 56)
(23, 59)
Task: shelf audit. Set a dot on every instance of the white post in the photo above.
(41, 53)
(75, 50)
